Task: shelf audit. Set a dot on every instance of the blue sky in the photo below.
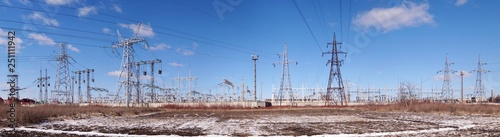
(386, 41)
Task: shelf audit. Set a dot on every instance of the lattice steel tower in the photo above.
(285, 91)
(335, 90)
(446, 90)
(61, 90)
(130, 81)
(479, 88)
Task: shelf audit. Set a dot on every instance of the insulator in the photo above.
(159, 71)
(38, 85)
(93, 80)
(43, 85)
(144, 73)
(83, 81)
(48, 85)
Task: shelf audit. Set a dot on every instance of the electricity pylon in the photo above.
(446, 91)
(285, 91)
(335, 76)
(61, 92)
(479, 88)
(128, 75)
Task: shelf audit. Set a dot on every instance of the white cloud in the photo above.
(176, 64)
(106, 30)
(438, 77)
(184, 52)
(24, 2)
(454, 75)
(117, 8)
(7, 2)
(145, 30)
(4, 41)
(42, 39)
(466, 73)
(87, 10)
(195, 45)
(460, 2)
(115, 73)
(407, 14)
(60, 2)
(73, 48)
(161, 46)
(47, 21)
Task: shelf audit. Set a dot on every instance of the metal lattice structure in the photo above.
(285, 92)
(61, 92)
(335, 91)
(128, 80)
(479, 88)
(446, 90)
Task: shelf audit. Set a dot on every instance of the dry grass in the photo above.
(439, 108)
(38, 114)
(204, 106)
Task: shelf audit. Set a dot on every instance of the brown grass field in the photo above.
(41, 113)
(189, 121)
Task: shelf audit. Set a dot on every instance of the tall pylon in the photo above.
(128, 79)
(446, 90)
(335, 92)
(479, 88)
(61, 92)
(285, 91)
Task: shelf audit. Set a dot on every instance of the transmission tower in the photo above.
(152, 86)
(446, 91)
(61, 91)
(43, 82)
(335, 77)
(479, 88)
(285, 91)
(128, 83)
(182, 80)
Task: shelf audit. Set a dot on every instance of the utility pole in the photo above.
(335, 75)
(79, 73)
(492, 96)
(152, 72)
(47, 84)
(42, 82)
(72, 89)
(261, 91)
(242, 90)
(255, 58)
(462, 73)
(286, 84)
(80, 98)
(180, 80)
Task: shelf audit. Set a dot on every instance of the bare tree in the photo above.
(407, 93)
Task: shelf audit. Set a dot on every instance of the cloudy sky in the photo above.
(387, 41)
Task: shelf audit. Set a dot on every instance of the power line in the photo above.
(320, 22)
(341, 27)
(64, 35)
(349, 26)
(163, 33)
(307, 24)
(132, 20)
(77, 30)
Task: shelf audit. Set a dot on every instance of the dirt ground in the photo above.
(270, 122)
